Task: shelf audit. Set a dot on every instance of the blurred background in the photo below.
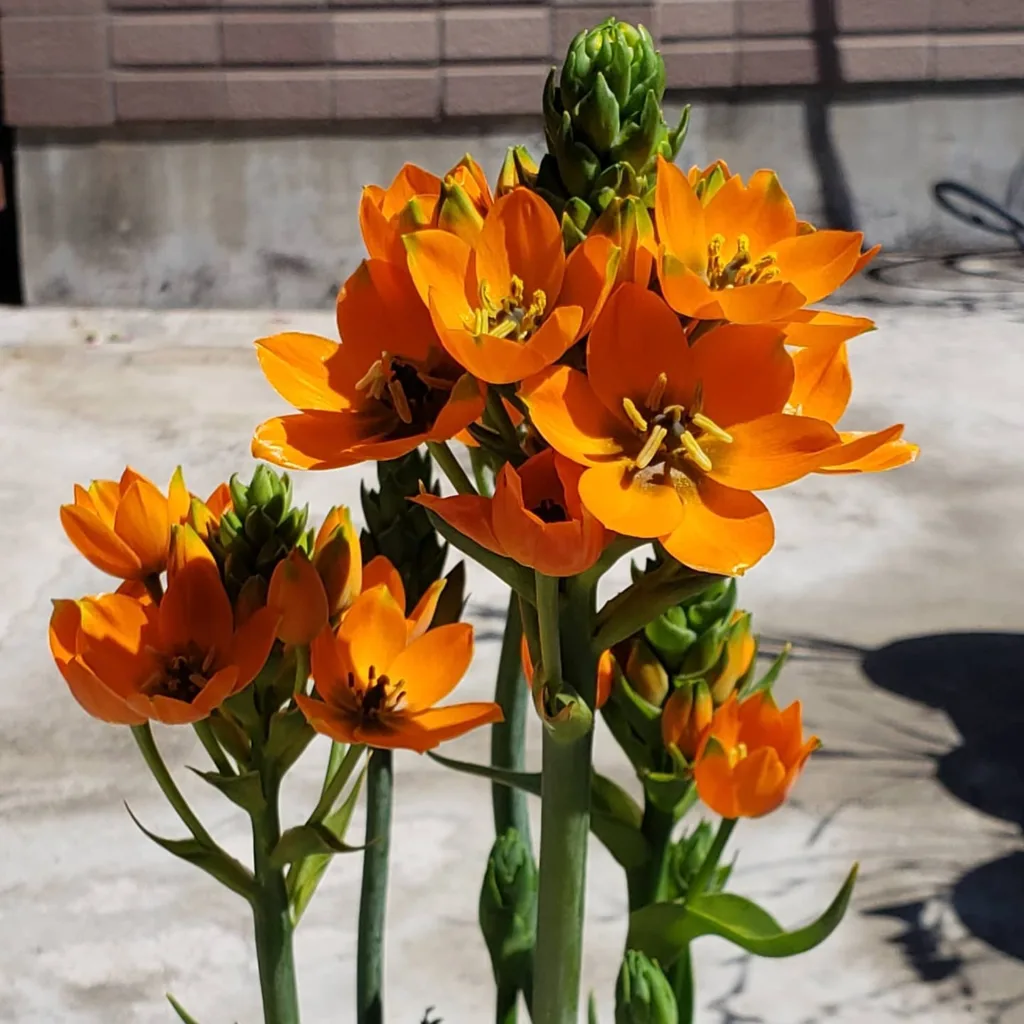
(182, 176)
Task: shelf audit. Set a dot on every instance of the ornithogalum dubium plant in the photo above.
(603, 356)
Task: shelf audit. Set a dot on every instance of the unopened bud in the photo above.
(687, 713)
(508, 908)
(643, 994)
(297, 594)
(337, 557)
(646, 674)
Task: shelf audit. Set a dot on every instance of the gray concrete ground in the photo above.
(902, 591)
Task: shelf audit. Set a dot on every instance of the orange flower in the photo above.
(126, 660)
(377, 687)
(380, 572)
(382, 392)
(338, 558)
(534, 518)
(124, 527)
(413, 201)
(511, 303)
(605, 673)
(676, 436)
(737, 252)
(750, 756)
(297, 595)
(685, 717)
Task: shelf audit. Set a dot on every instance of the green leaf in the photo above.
(213, 860)
(245, 790)
(289, 736)
(592, 1017)
(529, 782)
(664, 930)
(609, 798)
(180, 1010)
(452, 601)
(308, 841)
(768, 680)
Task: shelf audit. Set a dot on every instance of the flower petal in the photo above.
(636, 504)
(760, 782)
(680, 218)
(422, 615)
(319, 440)
(759, 303)
(101, 497)
(470, 514)
(432, 665)
(813, 327)
(426, 729)
(465, 405)
(380, 236)
(251, 645)
(380, 572)
(589, 275)
(817, 264)
(686, 292)
(410, 181)
(99, 544)
(179, 501)
(373, 632)
(858, 448)
(328, 719)
(299, 368)
(823, 383)
(196, 611)
(772, 215)
(142, 522)
(297, 595)
(891, 455)
(440, 264)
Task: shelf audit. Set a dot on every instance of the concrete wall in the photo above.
(161, 221)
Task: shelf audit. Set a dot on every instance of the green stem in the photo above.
(497, 417)
(707, 869)
(335, 781)
(374, 893)
(565, 813)
(271, 911)
(147, 745)
(509, 737)
(301, 668)
(507, 1011)
(680, 977)
(478, 460)
(646, 883)
(212, 746)
(450, 466)
(548, 625)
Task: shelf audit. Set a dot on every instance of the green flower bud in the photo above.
(643, 994)
(686, 857)
(508, 909)
(646, 673)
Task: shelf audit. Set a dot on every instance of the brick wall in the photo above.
(76, 63)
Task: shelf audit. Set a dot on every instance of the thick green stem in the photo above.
(507, 1007)
(565, 817)
(681, 979)
(646, 883)
(509, 737)
(450, 466)
(374, 893)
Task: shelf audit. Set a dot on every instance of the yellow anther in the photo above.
(482, 322)
(374, 380)
(486, 302)
(400, 402)
(711, 428)
(695, 452)
(634, 415)
(502, 329)
(737, 754)
(651, 448)
(657, 392)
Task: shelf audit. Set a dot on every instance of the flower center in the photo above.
(550, 511)
(737, 754)
(181, 676)
(381, 696)
(513, 317)
(672, 433)
(414, 396)
(741, 269)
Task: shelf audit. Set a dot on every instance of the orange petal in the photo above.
(759, 303)
(101, 497)
(819, 263)
(769, 452)
(636, 338)
(687, 292)
(570, 416)
(470, 514)
(319, 440)
(380, 572)
(771, 215)
(99, 544)
(251, 645)
(760, 782)
(330, 667)
(432, 665)
(857, 449)
(116, 641)
(329, 720)
(465, 405)
(410, 181)
(680, 218)
(298, 597)
(891, 455)
(338, 558)
(589, 275)
(426, 607)
(178, 499)
(728, 212)
(186, 546)
(380, 236)
(426, 729)
(299, 369)
(714, 779)
(813, 327)
(745, 372)
(629, 502)
(218, 688)
(722, 531)
(196, 611)
(372, 633)
(605, 678)
(142, 522)
(823, 383)
(521, 237)
(864, 259)
(440, 264)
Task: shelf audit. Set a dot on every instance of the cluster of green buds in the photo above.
(643, 994)
(685, 859)
(400, 529)
(604, 125)
(259, 530)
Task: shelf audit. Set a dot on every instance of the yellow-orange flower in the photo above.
(380, 572)
(737, 252)
(377, 687)
(204, 516)
(605, 673)
(127, 660)
(685, 717)
(124, 526)
(510, 303)
(387, 388)
(296, 593)
(534, 518)
(675, 437)
(750, 756)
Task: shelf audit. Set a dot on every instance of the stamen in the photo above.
(715, 244)
(517, 290)
(375, 379)
(486, 302)
(634, 415)
(737, 754)
(651, 448)
(502, 329)
(657, 392)
(711, 427)
(695, 452)
(399, 400)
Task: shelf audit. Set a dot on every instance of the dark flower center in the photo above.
(550, 511)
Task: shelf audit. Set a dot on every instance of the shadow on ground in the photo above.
(977, 679)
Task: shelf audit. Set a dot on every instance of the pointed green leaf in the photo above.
(529, 782)
(664, 930)
(452, 601)
(245, 790)
(768, 680)
(308, 841)
(180, 1010)
(290, 734)
(213, 860)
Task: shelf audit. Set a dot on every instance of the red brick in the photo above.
(370, 37)
(280, 96)
(883, 15)
(298, 38)
(64, 45)
(701, 65)
(775, 17)
(57, 101)
(162, 5)
(37, 7)
(387, 94)
(777, 62)
(696, 19)
(165, 39)
(308, 5)
(494, 89)
(479, 33)
(383, 3)
(903, 58)
(570, 20)
(980, 56)
(174, 96)
(955, 14)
